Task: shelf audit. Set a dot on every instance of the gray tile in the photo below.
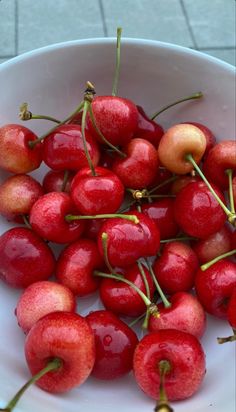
(46, 21)
(7, 27)
(153, 19)
(212, 22)
(227, 55)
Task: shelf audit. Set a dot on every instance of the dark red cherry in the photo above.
(231, 312)
(116, 118)
(92, 228)
(92, 195)
(63, 149)
(76, 264)
(197, 212)
(115, 343)
(54, 181)
(140, 167)
(215, 245)
(47, 218)
(24, 258)
(148, 129)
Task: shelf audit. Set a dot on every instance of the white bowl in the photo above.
(52, 80)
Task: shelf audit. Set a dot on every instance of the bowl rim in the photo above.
(111, 40)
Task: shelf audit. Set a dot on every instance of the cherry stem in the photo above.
(105, 251)
(171, 179)
(132, 218)
(229, 172)
(165, 301)
(144, 277)
(162, 403)
(194, 96)
(51, 366)
(26, 221)
(231, 216)
(177, 239)
(25, 114)
(228, 339)
(114, 148)
(213, 261)
(89, 160)
(137, 320)
(65, 180)
(117, 70)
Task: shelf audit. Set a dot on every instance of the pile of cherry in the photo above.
(140, 224)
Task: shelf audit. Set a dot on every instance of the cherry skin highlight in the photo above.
(76, 264)
(185, 356)
(42, 298)
(92, 195)
(115, 344)
(15, 153)
(24, 258)
(65, 336)
(47, 218)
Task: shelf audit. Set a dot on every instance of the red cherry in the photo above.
(47, 218)
(92, 195)
(162, 212)
(128, 241)
(76, 264)
(231, 312)
(148, 129)
(185, 313)
(24, 258)
(220, 158)
(15, 153)
(140, 167)
(115, 344)
(92, 228)
(215, 245)
(18, 194)
(181, 182)
(65, 336)
(210, 138)
(42, 298)
(234, 189)
(121, 298)
(214, 287)
(233, 240)
(160, 179)
(185, 356)
(54, 180)
(175, 270)
(116, 118)
(63, 149)
(197, 212)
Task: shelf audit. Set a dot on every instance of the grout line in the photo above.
(16, 28)
(188, 24)
(103, 17)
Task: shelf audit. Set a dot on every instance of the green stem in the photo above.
(228, 338)
(26, 221)
(166, 182)
(132, 218)
(43, 117)
(137, 320)
(190, 158)
(117, 70)
(119, 152)
(229, 172)
(25, 114)
(194, 96)
(51, 366)
(65, 180)
(105, 251)
(87, 104)
(163, 404)
(144, 277)
(33, 143)
(165, 301)
(176, 239)
(213, 261)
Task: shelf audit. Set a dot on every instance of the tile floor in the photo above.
(206, 25)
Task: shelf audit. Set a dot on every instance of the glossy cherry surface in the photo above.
(63, 149)
(185, 356)
(128, 241)
(115, 344)
(24, 258)
(148, 129)
(215, 245)
(214, 287)
(197, 212)
(92, 195)
(47, 218)
(76, 264)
